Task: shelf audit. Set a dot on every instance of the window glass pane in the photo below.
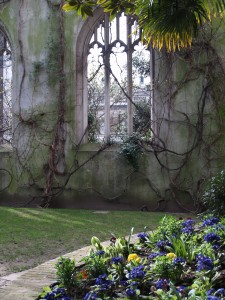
(141, 90)
(5, 91)
(118, 90)
(95, 94)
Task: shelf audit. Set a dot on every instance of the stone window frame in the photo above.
(85, 33)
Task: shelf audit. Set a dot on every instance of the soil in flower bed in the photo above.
(181, 259)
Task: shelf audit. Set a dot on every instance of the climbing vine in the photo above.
(202, 64)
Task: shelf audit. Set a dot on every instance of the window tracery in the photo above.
(114, 80)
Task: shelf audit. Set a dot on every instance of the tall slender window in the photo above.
(119, 81)
(5, 91)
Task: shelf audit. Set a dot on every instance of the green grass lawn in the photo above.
(31, 236)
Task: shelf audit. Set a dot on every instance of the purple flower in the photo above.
(123, 282)
(101, 279)
(210, 292)
(100, 252)
(103, 283)
(162, 245)
(142, 236)
(188, 230)
(188, 223)
(204, 262)
(156, 254)
(61, 291)
(179, 261)
(212, 298)
(211, 237)
(181, 289)
(188, 226)
(137, 272)
(131, 292)
(216, 246)
(116, 260)
(162, 284)
(220, 292)
(210, 222)
(91, 296)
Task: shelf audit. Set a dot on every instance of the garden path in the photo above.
(27, 285)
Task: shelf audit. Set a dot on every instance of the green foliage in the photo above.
(164, 271)
(93, 126)
(199, 288)
(142, 119)
(131, 150)
(95, 264)
(169, 226)
(183, 248)
(66, 274)
(83, 8)
(162, 268)
(168, 23)
(213, 199)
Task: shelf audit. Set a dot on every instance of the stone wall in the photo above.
(46, 163)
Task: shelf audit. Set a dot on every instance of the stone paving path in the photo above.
(28, 285)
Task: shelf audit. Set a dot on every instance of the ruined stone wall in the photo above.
(47, 164)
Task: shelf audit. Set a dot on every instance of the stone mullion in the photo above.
(2, 49)
(129, 80)
(107, 80)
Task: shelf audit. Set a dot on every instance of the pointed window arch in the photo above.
(114, 79)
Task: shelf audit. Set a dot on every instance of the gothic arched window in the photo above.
(5, 90)
(116, 80)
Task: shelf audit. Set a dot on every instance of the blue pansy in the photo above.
(131, 292)
(204, 262)
(116, 260)
(142, 236)
(156, 254)
(162, 245)
(100, 252)
(181, 288)
(211, 237)
(101, 279)
(210, 222)
(123, 282)
(137, 272)
(188, 226)
(179, 261)
(220, 292)
(210, 292)
(162, 284)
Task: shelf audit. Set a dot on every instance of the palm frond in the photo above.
(174, 23)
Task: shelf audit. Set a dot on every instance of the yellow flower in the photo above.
(171, 255)
(134, 257)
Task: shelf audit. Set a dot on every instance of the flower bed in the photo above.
(181, 259)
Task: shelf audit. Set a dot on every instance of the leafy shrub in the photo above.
(169, 226)
(213, 199)
(131, 150)
(66, 274)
